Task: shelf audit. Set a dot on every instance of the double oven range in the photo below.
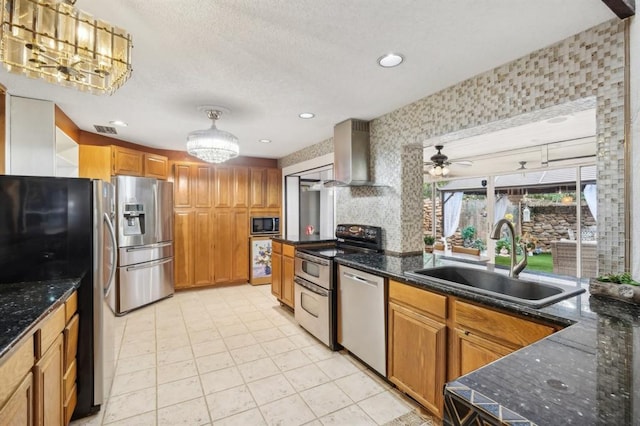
(316, 298)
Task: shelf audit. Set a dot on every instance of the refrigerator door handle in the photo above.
(114, 255)
(150, 264)
(149, 246)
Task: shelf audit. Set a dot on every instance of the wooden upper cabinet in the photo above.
(240, 187)
(94, 162)
(156, 166)
(258, 187)
(125, 161)
(223, 186)
(203, 176)
(274, 185)
(182, 192)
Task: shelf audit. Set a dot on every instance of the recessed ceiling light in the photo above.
(390, 60)
(118, 123)
(307, 115)
(264, 140)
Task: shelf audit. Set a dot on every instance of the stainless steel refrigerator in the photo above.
(144, 226)
(54, 228)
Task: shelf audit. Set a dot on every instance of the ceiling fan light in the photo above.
(213, 145)
(445, 171)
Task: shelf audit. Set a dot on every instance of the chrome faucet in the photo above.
(495, 235)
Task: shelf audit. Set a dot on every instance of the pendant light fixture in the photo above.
(212, 145)
(54, 41)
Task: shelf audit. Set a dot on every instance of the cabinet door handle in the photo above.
(466, 333)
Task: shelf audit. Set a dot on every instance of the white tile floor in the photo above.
(234, 356)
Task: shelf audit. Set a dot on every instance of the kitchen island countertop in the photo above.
(581, 375)
(23, 305)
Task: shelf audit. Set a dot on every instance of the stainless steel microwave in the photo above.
(265, 225)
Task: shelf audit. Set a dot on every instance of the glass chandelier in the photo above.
(52, 40)
(212, 145)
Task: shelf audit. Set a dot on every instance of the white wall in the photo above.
(31, 137)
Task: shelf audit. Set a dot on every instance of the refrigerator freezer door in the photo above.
(144, 283)
(132, 255)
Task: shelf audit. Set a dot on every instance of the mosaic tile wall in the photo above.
(587, 65)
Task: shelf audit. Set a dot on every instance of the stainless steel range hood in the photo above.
(351, 154)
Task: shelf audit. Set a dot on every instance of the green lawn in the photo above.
(540, 262)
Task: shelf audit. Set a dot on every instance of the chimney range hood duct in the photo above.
(351, 154)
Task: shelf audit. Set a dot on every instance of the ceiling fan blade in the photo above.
(465, 163)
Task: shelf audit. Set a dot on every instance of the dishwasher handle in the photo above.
(359, 279)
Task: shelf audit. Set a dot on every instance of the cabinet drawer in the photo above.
(426, 301)
(288, 250)
(70, 306)
(517, 331)
(69, 379)
(16, 366)
(276, 247)
(70, 404)
(71, 341)
(51, 328)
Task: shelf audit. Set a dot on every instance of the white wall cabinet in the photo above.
(36, 147)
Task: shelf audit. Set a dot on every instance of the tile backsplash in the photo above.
(586, 68)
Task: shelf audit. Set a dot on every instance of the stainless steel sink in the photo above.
(533, 294)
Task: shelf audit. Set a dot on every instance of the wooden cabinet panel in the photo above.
(49, 331)
(156, 166)
(223, 187)
(417, 361)
(471, 352)
(276, 272)
(203, 180)
(13, 370)
(222, 253)
(258, 187)
(287, 280)
(70, 306)
(503, 327)
(203, 259)
(182, 186)
(18, 411)
(240, 258)
(425, 301)
(241, 187)
(94, 162)
(274, 185)
(183, 229)
(70, 334)
(288, 250)
(125, 161)
(48, 374)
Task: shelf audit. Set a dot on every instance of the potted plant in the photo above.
(468, 234)
(616, 286)
(428, 243)
(503, 247)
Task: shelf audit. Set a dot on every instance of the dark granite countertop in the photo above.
(582, 375)
(298, 240)
(22, 305)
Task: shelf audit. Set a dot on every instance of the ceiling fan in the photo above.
(439, 163)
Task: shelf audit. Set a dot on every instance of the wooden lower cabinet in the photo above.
(417, 356)
(283, 272)
(18, 411)
(470, 352)
(288, 274)
(203, 270)
(276, 269)
(183, 259)
(48, 373)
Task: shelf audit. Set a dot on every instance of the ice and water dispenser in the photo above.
(134, 219)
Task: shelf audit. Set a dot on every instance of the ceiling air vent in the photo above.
(105, 129)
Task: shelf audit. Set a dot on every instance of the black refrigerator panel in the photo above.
(45, 228)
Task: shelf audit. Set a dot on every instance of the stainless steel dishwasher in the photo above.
(361, 316)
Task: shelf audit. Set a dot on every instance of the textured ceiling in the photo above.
(270, 60)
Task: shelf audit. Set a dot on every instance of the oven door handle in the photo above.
(311, 287)
(312, 259)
